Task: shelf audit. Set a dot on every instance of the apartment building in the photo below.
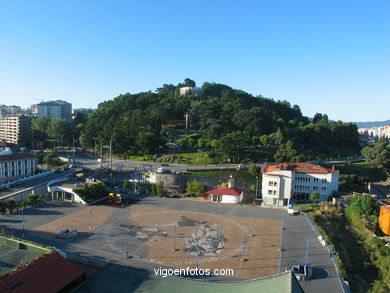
(14, 166)
(286, 183)
(16, 130)
(54, 109)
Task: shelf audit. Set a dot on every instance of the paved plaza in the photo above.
(180, 233)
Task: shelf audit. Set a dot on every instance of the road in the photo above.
(89, 161)
(34, 182)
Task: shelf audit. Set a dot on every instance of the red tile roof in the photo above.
(297, 167)
(50, 273)
(226, 191)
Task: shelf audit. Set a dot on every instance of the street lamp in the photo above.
(95, 138)
(73, 147)
(257, 184)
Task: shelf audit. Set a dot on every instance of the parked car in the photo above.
(290, 210)
(303, 271)
(242, 167)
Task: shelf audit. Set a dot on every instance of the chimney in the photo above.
(231, 181)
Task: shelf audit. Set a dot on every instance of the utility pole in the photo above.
(95, 138)
(23, 222)
(186, 116)
(73, 147)
(197, 254)
(174, 237)
(101, 153)
(127, 242)
(257, 184)
(111, 154)
(90, 221)
(307, 249)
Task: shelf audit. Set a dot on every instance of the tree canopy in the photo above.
(229, 122)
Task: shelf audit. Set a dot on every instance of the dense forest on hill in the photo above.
(229, 123)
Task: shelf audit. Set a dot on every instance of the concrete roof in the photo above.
(126, 279)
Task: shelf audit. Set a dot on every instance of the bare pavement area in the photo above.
(154, 232)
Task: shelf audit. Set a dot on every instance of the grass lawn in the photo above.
(198, 158)
(144, 158)
(361, 169)
(241, 175)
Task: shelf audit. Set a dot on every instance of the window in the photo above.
(274, 192)
(270, 192)
(315, 188)
(324, 180)
(315, 180)
(272, 183)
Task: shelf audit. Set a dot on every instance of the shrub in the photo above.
(195, 187)
(91, 192)
(160, 189)
(11, 204)
(364, 205)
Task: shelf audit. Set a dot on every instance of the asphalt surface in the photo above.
(294, 237)
(34, 182)
(89, 161)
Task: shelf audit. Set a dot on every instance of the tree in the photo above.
(91, 192)
(3, 207)
(160, 189)
(189, 82)
(195, 187)
(315, 196)
(33, 199)
(10, 204)
(60, 129)
(254, 170)
(288, 153)
(364, 205)
(379, 155)
(154, 190)
(39, 127)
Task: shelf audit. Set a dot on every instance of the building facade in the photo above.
(54, 109)
(16, 130)
(230, 194)
(377, 132)
(17, 166)
(286, 183)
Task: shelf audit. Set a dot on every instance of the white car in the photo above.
(290, 210)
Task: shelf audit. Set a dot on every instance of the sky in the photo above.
(326, 56)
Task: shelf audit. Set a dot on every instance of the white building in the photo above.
(377, 132)
(190, 90)
(15, 166)
(230, 194)
(285, 183)
(64, 190)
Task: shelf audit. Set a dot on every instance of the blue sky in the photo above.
(326, 56)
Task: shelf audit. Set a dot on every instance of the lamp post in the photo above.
(73, 146)
(95, 138)
(257, 184)
(90, 222)
(23, 222)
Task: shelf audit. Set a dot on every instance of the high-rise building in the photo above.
(54, 109)
(16, 129)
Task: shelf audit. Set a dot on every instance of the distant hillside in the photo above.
(371, 124)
